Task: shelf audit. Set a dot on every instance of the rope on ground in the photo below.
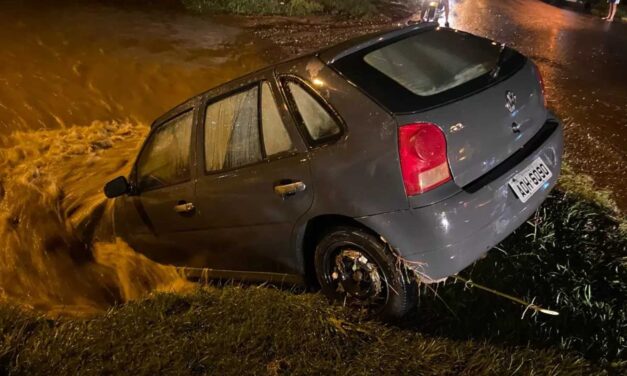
(528, 305)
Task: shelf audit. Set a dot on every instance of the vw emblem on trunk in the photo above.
(510, 101)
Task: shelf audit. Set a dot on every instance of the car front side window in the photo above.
(232, 132)
(165, 158)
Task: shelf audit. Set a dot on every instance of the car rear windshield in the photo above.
(431, 63)
(427, 68)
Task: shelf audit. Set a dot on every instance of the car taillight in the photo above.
(422, 150)
(541, 81)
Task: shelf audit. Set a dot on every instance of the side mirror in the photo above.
(117, 187)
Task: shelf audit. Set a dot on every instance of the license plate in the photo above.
(528, 181)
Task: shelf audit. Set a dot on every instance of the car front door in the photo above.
(164, 185)
(253, 182)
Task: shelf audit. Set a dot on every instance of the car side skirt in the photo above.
(206, 274)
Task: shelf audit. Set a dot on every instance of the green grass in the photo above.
(247, 7)
(572, 258)
(241, 331)
(352, 8)
(582, 186)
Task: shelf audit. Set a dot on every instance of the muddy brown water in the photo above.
(81, 81)
(79, 84)
(71, 64)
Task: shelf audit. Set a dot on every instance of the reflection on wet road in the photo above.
(584, 63)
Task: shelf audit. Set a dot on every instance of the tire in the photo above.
(376, 283)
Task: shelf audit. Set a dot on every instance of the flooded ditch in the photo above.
(79, 84)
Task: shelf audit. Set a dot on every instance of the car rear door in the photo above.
(253, 181)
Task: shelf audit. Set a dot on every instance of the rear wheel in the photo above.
(356, 268)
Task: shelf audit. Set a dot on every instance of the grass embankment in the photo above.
(354, 8)
(571, 258)
(240, 331)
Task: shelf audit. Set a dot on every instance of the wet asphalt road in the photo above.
(584, 63)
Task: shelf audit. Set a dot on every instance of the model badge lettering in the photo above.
(510, 101)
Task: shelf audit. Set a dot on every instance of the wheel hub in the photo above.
(356, 275)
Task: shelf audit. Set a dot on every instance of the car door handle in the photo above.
(184, 207)
(289, 189)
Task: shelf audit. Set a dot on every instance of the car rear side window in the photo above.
(232, 132)
(276, 139)
(319, 123)
(431, 63)
(164, 160)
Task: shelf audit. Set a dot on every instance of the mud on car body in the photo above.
(423, 145)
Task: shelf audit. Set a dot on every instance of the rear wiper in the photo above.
(494, 73)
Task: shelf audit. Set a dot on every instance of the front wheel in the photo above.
(355, 267)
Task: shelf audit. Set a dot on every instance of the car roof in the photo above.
(181, 107)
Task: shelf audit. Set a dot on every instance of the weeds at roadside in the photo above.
(572, 258)
(239, 331)
(582, 186)
(269, 7)
(350, 8)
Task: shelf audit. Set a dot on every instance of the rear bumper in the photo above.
(447, 236)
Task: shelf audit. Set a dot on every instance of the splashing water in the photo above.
(72, 63)
(57, 250)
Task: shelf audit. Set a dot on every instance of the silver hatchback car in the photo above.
(408, 153)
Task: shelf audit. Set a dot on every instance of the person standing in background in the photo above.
(612, 11)
(446, 11)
